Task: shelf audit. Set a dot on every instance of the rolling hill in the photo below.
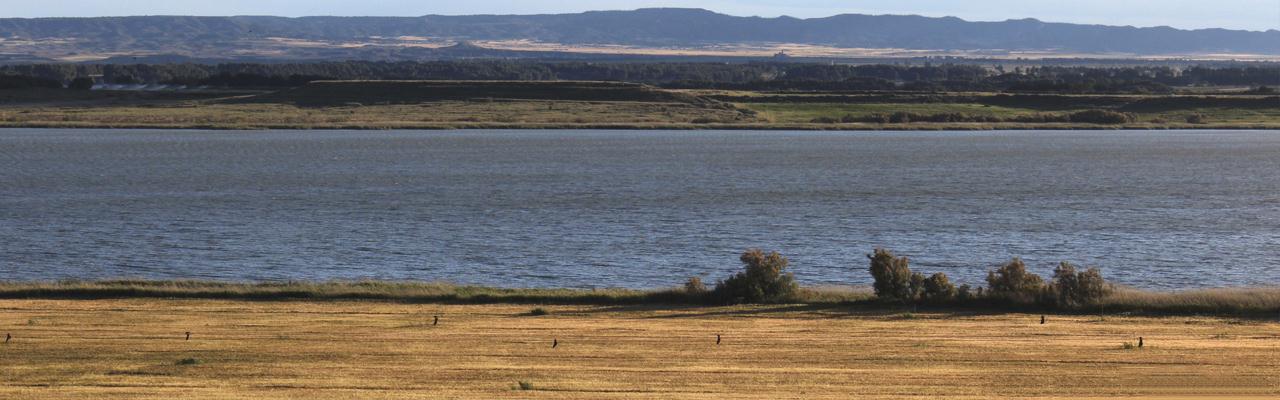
(215, 36)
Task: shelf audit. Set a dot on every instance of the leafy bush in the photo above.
(877, 119)
(824, 120)
(763, 280)
(1073, 289)
(917, 285)
(537, 312)
(1101, 117)
(27, 82)
(81, 83)
(965, 293)
(695, 286)
(892, 276)
(1012, 282)
(188, 361)
(938, 289)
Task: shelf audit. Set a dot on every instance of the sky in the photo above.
(1186, 14)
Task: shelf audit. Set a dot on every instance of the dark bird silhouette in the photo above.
(437, 321)
(1140, 342)
(717, 340)
(188, 335)
(555, 343)
(1041, 320)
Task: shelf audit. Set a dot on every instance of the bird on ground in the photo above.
(1140, 342)
(717, 340)
(1041, 320)
(437, 321)
(554, 343)
(188, 335)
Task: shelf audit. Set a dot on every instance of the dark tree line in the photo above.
(747, 76)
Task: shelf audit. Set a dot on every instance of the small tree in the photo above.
(1012, 282)
(763, 280)
(892, 276)
(1074, 289)
(938, 289)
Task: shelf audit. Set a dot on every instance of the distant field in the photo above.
(131, 349)
(431, 115)
(1167, 111)
(329, 93)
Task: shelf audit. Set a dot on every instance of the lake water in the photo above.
(635, 208)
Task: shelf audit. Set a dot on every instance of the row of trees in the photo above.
(765, 279)
(747, 76)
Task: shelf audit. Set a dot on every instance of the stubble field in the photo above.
(136, 348)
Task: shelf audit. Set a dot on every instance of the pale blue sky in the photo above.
(1234, 14)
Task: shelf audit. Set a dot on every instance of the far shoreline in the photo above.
(923, 127)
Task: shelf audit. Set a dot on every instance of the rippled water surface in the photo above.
(634, 208)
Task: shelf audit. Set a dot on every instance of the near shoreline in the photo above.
(1235, 302)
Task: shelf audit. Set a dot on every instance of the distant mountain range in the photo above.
(223, 36)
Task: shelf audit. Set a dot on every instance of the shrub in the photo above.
(901, 117)
(824, 120)
(877, 119)
(938, 289)
(27, 82)
(763, 280)
(917, 285)
(1012, 282)
(1100, 117)
(524, 385)
(537, 312)
(965, 293)
(188, 361)
(1196, 119)
(81, 83)
(695, 286)
(1076, 289)
(892, 276)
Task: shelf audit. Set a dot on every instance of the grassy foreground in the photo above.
(137, 349)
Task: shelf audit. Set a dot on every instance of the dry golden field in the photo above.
(117, 349)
